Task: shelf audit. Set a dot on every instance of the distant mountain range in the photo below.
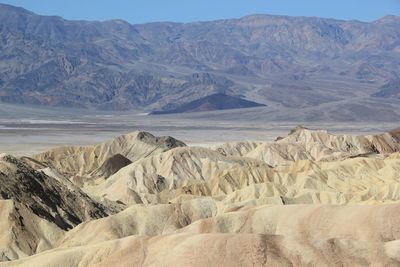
(283, 62)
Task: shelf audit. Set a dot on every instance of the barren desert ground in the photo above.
(27, 130)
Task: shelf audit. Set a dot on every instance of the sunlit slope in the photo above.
(309, 199)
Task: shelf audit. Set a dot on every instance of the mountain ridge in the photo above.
(116, 65)
(20, 8)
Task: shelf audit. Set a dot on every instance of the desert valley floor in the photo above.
(27, 130)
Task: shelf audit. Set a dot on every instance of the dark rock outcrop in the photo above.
(211, 102)
(45, 196)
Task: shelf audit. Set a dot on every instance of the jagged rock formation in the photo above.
(81, 161)
(36, 209)
(316, 199)
(146, 180)
(302, 144)
(45, 196)
(244, 182)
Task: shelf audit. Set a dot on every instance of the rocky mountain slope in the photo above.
(284, 62)
(303, 144)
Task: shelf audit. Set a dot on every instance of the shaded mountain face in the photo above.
(116, 65)
(211, 102)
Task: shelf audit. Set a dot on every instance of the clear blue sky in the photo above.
(139, 11)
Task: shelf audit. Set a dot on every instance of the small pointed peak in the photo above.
(142, 135)
(298, 128)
